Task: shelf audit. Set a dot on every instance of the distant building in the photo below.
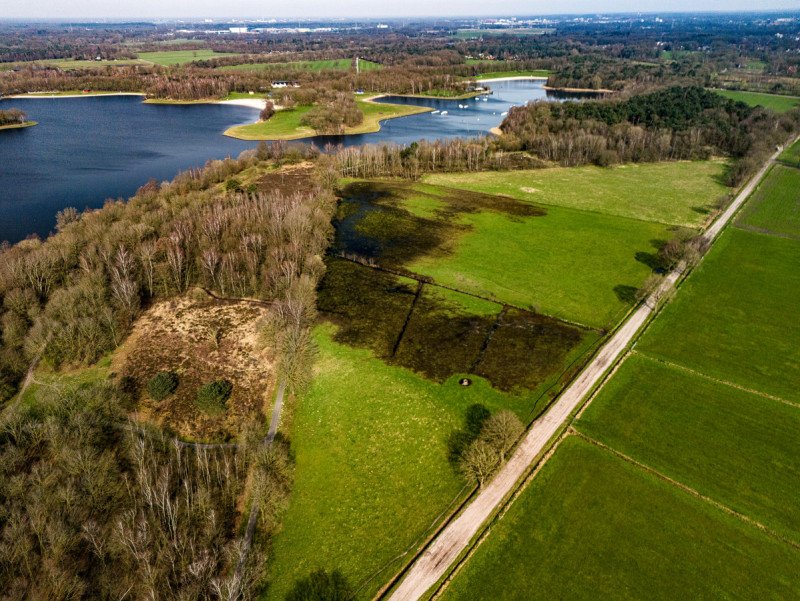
(285, 84)
(238, 29)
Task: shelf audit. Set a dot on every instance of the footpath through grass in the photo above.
(735, 317)
(779, 104)
(167, 58)
(372, 472)
(676, 193)
(592, 526)
(774, 207)
(736, 447)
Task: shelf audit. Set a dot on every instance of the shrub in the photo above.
(161, 385)
(212, 396)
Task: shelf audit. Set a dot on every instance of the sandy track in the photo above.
(433, 564)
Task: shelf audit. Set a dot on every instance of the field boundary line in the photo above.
(428, 280)
(685, 488)
(717, 380)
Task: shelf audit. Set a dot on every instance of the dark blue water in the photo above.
(86, 150)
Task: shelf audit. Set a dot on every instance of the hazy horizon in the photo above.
(364, 9)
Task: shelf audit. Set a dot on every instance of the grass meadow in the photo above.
(791, 155)
(372, 472)
(167, 58)
(779, 104)
(338, 64)
(677, 193)
(573, 265)
(592, 526)
(734, 318)
(774, 207)
(736, 447)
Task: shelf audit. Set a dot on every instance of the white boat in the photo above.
(434, 112)
(504, 114)
(444, 112)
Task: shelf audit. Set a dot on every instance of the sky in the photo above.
(157, 9)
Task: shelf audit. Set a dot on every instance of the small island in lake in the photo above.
(14, 119)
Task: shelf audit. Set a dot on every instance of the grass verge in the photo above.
(779, 104)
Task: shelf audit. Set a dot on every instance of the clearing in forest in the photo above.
(200, 339)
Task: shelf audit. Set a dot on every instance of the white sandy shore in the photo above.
(253, 103)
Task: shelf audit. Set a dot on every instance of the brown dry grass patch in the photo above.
(200, 339)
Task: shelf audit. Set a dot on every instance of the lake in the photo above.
(86, 150)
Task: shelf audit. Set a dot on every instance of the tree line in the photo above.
(676, 123)
(11, 117)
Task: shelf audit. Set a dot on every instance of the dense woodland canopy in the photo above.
(671, 124)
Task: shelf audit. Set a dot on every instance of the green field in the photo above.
(679, 193)
(568, 264)
(734, 318)
(339, 64)
(791, 155)
(499, 74)
(735, 447)
(592, 526)
(168, 58)
(372, 471)
(779, 104)
(774, 207)
(68, 64)
(285, 124)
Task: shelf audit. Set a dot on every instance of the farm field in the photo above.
(372, 471)
(573, 265)
(779, 104)
(68, 64)
(676, 193)
(791, 155)
(339, 64)
(167, 58)
(499, 74)
(591, 525)
(736, 447)
(285, 124)
(774, 207)
(729, 320)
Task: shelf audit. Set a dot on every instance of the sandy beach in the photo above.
(253, 103)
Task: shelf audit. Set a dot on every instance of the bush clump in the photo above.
(161, 385)
(212, 396)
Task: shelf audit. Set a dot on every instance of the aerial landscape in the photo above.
(399, 302)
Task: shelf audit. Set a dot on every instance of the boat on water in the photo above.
(444, 112)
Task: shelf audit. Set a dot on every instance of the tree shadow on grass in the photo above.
(626, 294)
(649, 259)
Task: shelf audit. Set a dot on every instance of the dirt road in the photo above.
(448, 545)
